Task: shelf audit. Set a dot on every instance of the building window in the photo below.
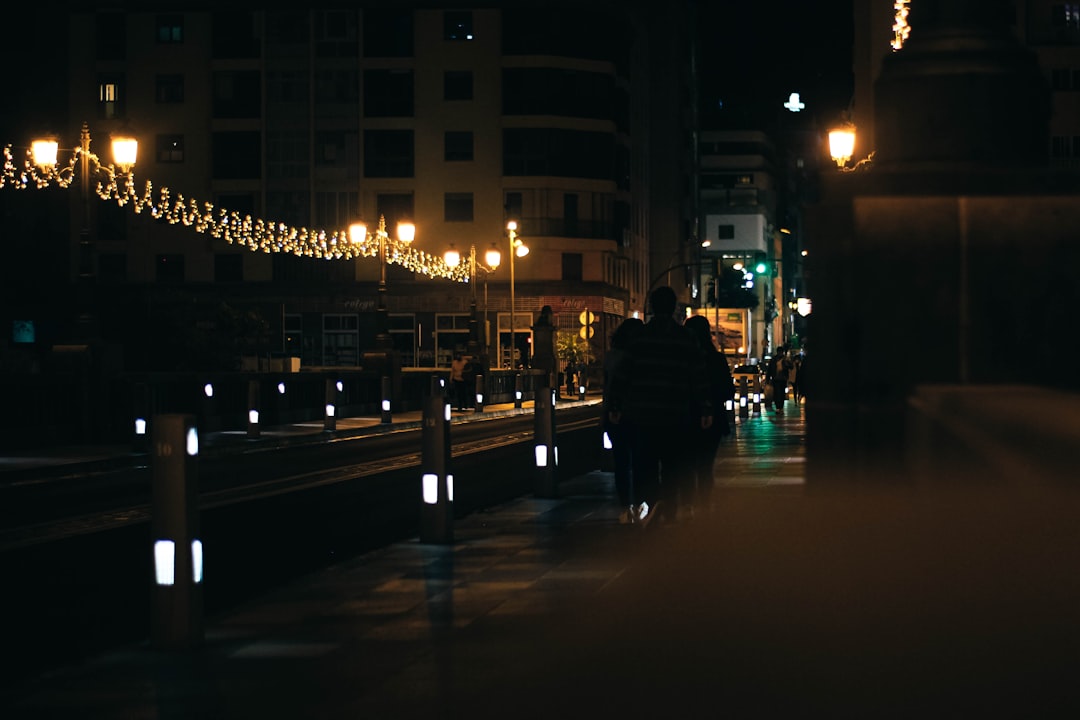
(170, 148)
(110, 96)
(169, 268)
(458, 85)
(388, 32)
(458, 146)
(112, 267)
(388, 93)
(235, 35)
(458, 207)
(170, 29)
(513, 206)
(388, 153)
(110, 32)
(237, 155)
(169, 88)
(725, 232)
(336, 209)
(341, 339)
(337, 85)
(458, 25)
(228, 268)
(237, 94)
(572, 267)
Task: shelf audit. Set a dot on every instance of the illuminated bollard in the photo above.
(141, 422)
(756, 409)
(207, 407)
(330, 418)
(436, 481)
(744, 406)
(581, 393)
(387, 392)
(253, 428)
(479, 393)
(177, 547)
(545, 451)
(517, 390)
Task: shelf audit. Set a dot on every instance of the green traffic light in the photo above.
(760, 268)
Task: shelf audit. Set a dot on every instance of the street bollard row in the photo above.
(177, 549)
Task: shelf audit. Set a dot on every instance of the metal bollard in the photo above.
(177, 547)
(253, 431)
(330, 419)
(479, 393)
(517, 390)
(386, 393)
(436, 481)
(545, 450)
(744, 406)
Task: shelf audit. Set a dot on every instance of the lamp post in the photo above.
(517, 249)
(358, 232)
(842, 144)
(492, 258)
(44, 152)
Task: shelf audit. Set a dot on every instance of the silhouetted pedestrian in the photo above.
(619, 434)
(457, 380)
(703, 443)
(781, 367)
(661, 389)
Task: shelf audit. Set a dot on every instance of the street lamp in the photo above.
(517, 249)
(44, 152)
(842, 144)
(406, 232)
(492, 258)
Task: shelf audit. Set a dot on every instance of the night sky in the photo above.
(755, 54)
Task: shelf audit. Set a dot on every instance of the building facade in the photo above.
(575, 125)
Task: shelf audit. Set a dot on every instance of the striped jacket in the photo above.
(662, 379)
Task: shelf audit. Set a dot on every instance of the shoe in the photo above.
(646, 514)
(628, 516)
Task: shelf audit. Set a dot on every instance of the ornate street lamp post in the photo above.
(44, 152)
(358, 233)
(517, 249)
(477, 346)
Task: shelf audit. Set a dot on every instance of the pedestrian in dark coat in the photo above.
(704, 443)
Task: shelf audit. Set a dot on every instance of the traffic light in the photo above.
(760, 265)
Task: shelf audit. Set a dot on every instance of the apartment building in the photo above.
(575, 123)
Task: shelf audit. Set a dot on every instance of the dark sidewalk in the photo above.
(776, 598)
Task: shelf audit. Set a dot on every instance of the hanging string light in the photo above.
(256, 234)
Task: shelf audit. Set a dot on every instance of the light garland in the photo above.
(255, 234)
(901, 29)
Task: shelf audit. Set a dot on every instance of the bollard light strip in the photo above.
(450, 488)
(165, 562)
(541, 455)
(430, 488)
(607, 441)
(192, 442)
(196, 561)
(140, 426)
(253, 417)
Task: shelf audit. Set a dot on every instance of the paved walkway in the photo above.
(775, 599)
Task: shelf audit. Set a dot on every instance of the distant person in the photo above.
(793, 378)
(704, 443)
(569, 376)
(662, 391)
(619, 434)
(781, 368)
(457, 380)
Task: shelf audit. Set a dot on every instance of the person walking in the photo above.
(704, 443)
(662, 391)
(780, 369)
(457, 380)
(619, 434)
